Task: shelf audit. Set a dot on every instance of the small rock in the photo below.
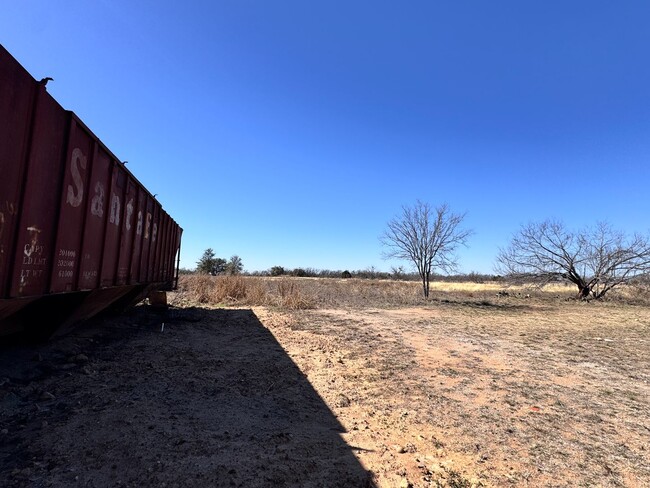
(80, 358)
(342, 401)
(399, 449)
(405, 483)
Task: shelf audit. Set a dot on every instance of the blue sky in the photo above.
(290, 132)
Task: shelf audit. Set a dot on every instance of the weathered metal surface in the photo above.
(127, 237)
(16, 98)
(73, 219)
(38, 205)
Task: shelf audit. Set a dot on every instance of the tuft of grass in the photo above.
(197, 287)
(291, 296)
(453, 479)
(229, 289)
(222, 289)
(285, 293)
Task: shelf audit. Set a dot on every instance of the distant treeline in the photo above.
(366, 274)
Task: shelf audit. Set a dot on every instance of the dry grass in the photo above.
(222, 290)
(297, 293)
(304, 293)
(285, 293)
(473, 386)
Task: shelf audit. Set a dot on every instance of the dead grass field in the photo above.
(258, 382)
(471, 389)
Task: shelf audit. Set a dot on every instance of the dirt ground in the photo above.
(458, 393)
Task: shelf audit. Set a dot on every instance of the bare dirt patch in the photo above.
(495, 396)
(464, 390)
(210, 400)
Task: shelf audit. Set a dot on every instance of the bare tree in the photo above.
(595, 260)
(426, 237)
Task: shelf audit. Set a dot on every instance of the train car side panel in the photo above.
(115, 224)
(33, 254)
(16, 98)
(75, 191)
(128, 232)
(98, 214)
(154, 254)
(146, 239)
(134, 273)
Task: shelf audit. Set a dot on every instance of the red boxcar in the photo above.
(78, 232)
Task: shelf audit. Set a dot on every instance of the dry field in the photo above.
(471, 388)
(322, 382)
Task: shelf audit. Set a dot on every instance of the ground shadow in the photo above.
(194, 397)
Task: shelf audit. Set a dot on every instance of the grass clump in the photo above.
(245, 290)
(291, 296)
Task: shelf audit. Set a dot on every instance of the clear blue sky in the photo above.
(289, 132)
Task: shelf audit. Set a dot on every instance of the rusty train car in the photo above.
(78, 232)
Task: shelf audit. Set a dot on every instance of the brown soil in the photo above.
(455, 393)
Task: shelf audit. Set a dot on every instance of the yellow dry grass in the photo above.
(304, 293)
(472, 387)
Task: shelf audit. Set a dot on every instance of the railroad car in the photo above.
(78, 232)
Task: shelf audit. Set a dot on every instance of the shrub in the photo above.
(229, 288)
(277, 271)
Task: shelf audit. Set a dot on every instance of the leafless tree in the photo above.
(595, 260)
(427, 237)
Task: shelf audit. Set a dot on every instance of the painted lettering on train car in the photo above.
(33, 255)
(76, 193)
(26, 274)
(147, 226)
(115, 210)
(34, 258)
(129, 214)
(122, 273)
(90, 274)
(66, 259)
(97, 204)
